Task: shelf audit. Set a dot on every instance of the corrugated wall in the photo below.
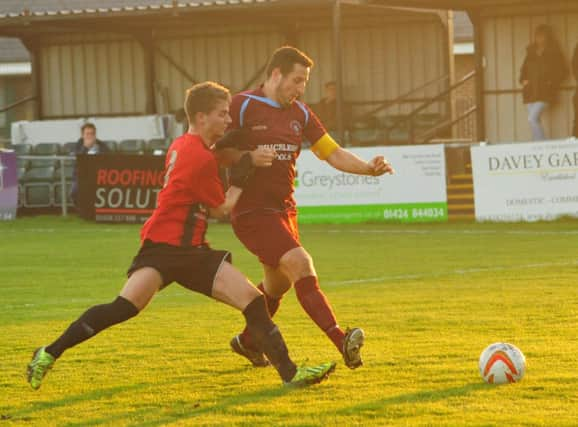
(505, 39)
(85, 75)
(230, 58)
(381, 62)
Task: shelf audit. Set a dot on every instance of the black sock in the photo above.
(267, 337)
(94, 320)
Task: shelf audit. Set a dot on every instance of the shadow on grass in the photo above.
(417, 397)
(70, 400)
(163, 415)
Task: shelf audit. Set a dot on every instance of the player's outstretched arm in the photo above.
(346, 161)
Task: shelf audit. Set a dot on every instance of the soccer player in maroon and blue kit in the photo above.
(265, 218)
(174, 248)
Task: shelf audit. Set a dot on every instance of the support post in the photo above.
(34, 51)
(338, 58)
(480, 87)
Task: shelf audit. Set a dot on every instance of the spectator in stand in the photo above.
(326, 109)
(87, 144)
(542, 72)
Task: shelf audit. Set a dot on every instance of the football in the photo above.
(502, 363)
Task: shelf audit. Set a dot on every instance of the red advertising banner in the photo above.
(119, 188)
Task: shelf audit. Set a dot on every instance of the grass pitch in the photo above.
(430, 298)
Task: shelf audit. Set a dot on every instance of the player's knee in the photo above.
(297, 264)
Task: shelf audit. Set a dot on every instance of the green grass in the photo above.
(430, 298)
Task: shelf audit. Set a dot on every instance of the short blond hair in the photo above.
(203, 98)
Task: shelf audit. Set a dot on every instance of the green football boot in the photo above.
(41, 362)
(308, 375)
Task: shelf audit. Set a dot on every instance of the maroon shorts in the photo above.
(268, 234)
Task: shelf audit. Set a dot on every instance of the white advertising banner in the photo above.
(526, 182)
(417, 191)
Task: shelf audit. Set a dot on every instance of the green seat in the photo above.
(132, 146)
(43, 163)
(46, 149)
(112, 145)
(68, 148)
(157, 146)
(37, 195)
(68, 173)
(22, 149)
(40, 174)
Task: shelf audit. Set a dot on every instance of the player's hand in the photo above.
(379, 166)
(263, 157)
(525, 83)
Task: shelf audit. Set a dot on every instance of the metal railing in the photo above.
(17, 103)
(401, 99)
(440, 126)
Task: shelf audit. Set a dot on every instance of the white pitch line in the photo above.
(466, 232)
(457, 272)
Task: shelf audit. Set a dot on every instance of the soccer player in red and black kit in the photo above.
(265, 219)
(174, 248)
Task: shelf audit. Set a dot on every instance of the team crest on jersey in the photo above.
(295, 127)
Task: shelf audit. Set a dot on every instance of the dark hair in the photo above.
(87, 126)
(203, 97)
(285, 58)
(552, 43)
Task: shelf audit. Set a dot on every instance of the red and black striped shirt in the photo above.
(192, 185)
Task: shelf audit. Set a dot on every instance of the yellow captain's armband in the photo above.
(324, 147)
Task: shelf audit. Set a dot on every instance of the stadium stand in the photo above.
(112, 145)
(67, 148)
(37, 186)
(157, 146)
(22, 149)
(132, 146)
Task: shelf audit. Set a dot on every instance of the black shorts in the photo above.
(192, 267)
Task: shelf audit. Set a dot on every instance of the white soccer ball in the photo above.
(502, 363)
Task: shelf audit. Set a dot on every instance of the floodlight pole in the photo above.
(338, 58)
